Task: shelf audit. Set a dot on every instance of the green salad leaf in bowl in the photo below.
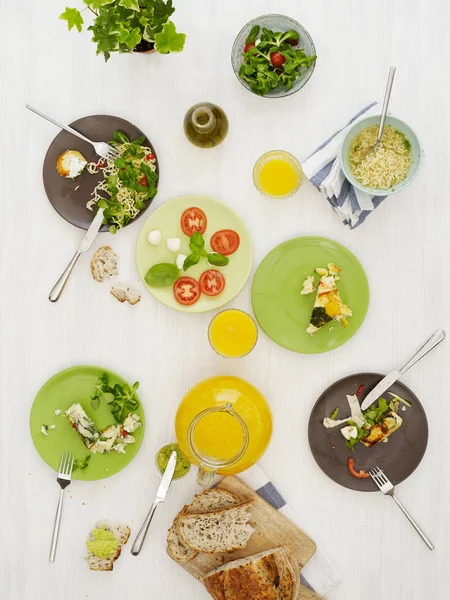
(273, 63)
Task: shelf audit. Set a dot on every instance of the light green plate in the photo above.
(284, 314)
(61, 391)
(167, 220)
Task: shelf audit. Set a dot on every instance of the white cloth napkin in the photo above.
(319, 574)
(323, 169)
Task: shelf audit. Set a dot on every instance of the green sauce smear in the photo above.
(104, 544)
(181, 468)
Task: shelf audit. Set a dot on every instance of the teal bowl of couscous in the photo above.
(383, 171)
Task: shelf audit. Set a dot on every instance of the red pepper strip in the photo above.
(358, 474)
(360, 391)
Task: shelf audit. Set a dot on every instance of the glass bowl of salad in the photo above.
(273, 56)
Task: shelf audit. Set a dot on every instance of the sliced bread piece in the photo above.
(121, 534)
(122, 292)
(210, 499)
(267, 575)
(104, 263)
(223, 530)
(176, 548)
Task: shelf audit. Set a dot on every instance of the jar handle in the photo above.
(205, 476)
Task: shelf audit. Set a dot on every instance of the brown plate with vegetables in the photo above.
(398, 457)
(69, 197)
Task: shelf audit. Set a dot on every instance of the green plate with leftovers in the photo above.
(284, 313)
(52, 433)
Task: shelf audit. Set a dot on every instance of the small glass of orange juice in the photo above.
(277, 174)
(232, 333)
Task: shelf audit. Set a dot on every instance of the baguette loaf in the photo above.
(267, 575)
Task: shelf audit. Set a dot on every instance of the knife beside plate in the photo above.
(86, 243)
(160, 497)
(392, 377)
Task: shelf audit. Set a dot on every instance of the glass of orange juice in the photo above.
(233, 333)
(223, 424)
(277, 174)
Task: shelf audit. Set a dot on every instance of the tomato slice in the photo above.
(225, 242)
(186, 291)
(193, 219)
(358, 474)
(212, 282)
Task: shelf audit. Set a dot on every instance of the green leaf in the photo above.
(169, 40)
(218, 260)
(197, 240)
(253, 35)
(95, 403)
(191, 260)
(131, 4)
(73, 18)
(162, 275)
(335, 412)
(96, 4)
(81, 464)
(133, 38)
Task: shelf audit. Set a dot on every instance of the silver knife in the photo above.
(88, 239)
(393, 376)
(160, 497)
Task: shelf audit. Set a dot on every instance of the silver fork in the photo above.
(387, 488)
(64, 478)
(101, 148)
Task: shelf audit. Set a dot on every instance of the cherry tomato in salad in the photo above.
(149, 157)
(143, 181)
(361, 474)
(277, 59)
(248, 46)
(225, 242)
(186, 291)
(193, 219)
(212, 282)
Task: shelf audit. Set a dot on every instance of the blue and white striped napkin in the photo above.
(323, 169)
(319, 574)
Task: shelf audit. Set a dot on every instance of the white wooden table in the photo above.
(404, 247)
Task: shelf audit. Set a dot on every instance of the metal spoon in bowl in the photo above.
(387, 97)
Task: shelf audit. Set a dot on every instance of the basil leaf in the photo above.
(191, 260)
(218, 260)
(197, 241)
(162, 275)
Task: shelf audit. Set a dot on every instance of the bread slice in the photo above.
(222, 530)
(122, 535)
(210, 499)
(104, 263)
(268, 575)
(123, 292)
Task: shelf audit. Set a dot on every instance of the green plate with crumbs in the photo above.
(281, 310)
(77, 384)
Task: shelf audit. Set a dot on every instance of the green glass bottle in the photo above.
(205, 125)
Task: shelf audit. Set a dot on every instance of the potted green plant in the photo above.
(129, 26)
